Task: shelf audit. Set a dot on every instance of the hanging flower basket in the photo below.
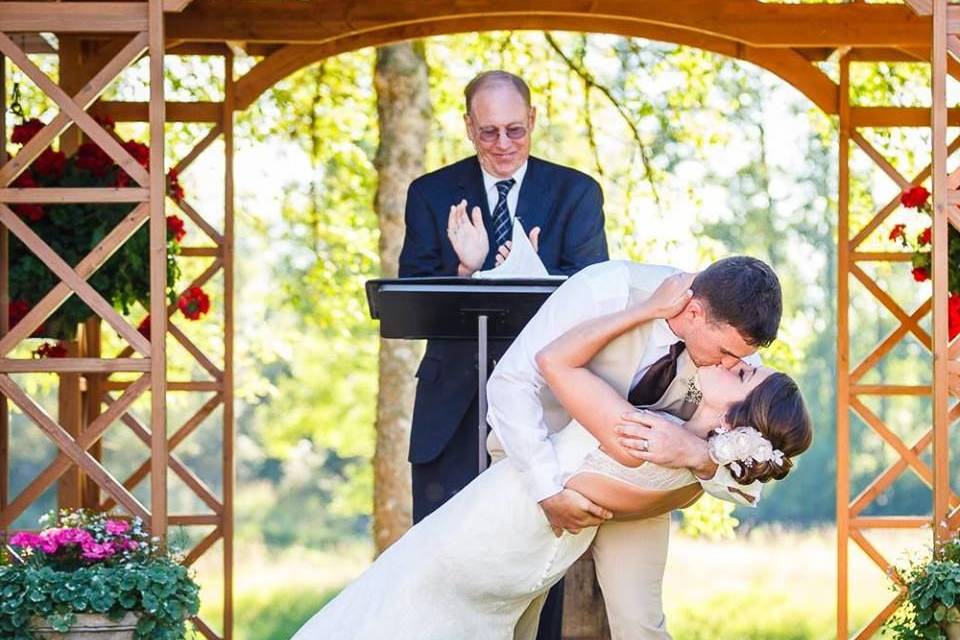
(74, 229)
(917, 241)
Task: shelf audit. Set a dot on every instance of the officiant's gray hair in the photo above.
(743, 292)
(496, 77)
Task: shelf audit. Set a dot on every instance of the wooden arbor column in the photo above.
(140, 26)
(852, 525)
(209, 380)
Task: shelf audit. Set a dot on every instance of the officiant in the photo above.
(459, 220)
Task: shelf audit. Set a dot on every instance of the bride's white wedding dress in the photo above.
(470, 569)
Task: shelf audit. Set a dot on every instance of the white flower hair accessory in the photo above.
(742, 445)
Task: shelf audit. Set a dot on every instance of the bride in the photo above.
(470, 569)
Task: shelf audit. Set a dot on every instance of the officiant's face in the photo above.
(499, 125)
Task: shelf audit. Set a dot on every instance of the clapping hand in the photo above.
(504, 250)
(468, 236)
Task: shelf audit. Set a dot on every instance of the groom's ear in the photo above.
(695, 310)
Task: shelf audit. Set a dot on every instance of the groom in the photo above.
(735, 308)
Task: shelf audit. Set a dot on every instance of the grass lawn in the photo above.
(768, 585)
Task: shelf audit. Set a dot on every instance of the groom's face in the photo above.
(710, 343)
(499, 125)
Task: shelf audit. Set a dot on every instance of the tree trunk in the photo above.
(403, 104)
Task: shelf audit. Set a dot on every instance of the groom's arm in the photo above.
(515, 409)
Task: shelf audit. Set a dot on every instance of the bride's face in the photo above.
(721, 387)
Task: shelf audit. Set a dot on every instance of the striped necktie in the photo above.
(501, 216)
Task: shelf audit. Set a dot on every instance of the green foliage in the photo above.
(72, 230)
(933, 596)
(115, 569)
(710, 518)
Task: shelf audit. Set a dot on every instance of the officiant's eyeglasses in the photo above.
(492, 134)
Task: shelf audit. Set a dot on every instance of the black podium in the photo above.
(459, 309)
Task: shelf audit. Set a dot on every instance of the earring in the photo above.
(693, 395)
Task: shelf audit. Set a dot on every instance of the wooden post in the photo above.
(229, 471)
(92, 401)
(843, 348)
(70, 412)
(941, 420)
(4, 303)
(584, 613)
(158, 277)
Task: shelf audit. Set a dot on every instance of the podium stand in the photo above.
(454, 308)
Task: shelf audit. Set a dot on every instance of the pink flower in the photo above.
(97, 551)
(25, 539)
(117, 527)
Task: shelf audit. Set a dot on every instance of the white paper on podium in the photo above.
(523, 261)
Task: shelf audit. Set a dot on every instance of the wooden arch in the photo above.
(785, 39)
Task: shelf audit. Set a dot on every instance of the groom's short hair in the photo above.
(745, 293)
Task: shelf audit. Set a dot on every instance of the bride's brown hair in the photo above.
(776, 409)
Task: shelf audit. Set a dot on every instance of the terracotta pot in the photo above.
(952, 630)
(91, 626)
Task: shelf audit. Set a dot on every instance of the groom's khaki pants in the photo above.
(630, 557)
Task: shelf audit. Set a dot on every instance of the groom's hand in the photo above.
(571, 511)
(652, 438)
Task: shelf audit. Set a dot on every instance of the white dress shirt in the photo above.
(515, 412)
(490, 187)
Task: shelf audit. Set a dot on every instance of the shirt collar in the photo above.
(661, 335)
(489, 180)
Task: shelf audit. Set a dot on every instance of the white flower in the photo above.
(742, 445)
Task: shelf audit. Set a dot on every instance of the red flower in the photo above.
(914, 197)
(174, 190)
(953, 314)
(897, 231)
(22, 133)
(920, 274)
(924, 238)
(28, 212)
(50, 163)
(194, 303)
(144, 327)
(17, 311)
(122, 179)
(51, 350)
(175, 228)
(92, 158)
(139, 151)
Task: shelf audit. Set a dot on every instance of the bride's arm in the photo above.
(587, 397)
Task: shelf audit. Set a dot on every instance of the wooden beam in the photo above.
(176, 111)
(747, 21)
(73, 365)
(175, 6)
(897, 116)
(74, 17)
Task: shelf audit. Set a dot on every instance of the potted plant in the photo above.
(930, 610)
(89, 576)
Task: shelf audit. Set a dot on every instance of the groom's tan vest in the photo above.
(618, 362)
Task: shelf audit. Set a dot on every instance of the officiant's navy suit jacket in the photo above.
(566, 204)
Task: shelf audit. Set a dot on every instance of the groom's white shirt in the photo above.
(517, 412)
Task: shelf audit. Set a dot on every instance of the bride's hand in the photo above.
(671, 296)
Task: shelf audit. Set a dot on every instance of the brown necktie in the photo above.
(657, 378)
